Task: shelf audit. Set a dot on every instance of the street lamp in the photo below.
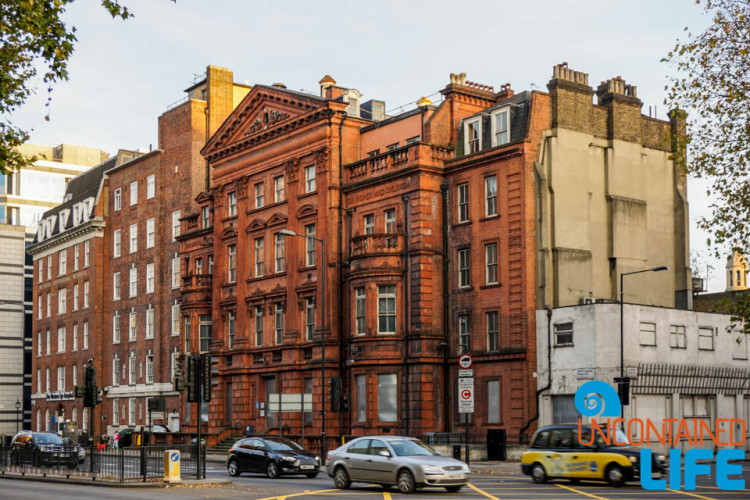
(621, 381)
(288, 232)
(18, 411)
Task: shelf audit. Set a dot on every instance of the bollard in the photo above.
(172, 466)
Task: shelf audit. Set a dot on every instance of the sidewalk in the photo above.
(83, 481)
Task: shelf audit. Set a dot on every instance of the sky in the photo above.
(124, 74)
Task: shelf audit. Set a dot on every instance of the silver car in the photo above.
(395, 461)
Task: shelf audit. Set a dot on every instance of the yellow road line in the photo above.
(307, 493)
(691, 494)
(386, 495)
(580, 492)
(491, 497)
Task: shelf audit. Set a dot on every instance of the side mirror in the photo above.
(384, 453)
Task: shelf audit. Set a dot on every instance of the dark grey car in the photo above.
(404, 462)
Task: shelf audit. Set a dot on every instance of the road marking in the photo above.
(691, 494)
(580, 492)
(386, 495)
(481, 492)
(307, 493)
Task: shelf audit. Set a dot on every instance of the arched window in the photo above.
(38, 421)
(739, 282)
(74, 418)
(85, 419)
(46, 420)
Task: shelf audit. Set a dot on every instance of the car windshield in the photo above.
(620, 439)
(282, 445)
(47, 439)
(410, 448)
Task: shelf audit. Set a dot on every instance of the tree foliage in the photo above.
(33, 39)
(712, 82)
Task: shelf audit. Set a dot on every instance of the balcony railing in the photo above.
(419, 152)
(193, 282)
(389, 243)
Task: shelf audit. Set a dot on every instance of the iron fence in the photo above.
(141, 463)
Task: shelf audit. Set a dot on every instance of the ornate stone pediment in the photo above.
(267, 118)
(307, 210)
(277, 219)
(256, 225)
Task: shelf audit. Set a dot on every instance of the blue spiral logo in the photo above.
(595, 398)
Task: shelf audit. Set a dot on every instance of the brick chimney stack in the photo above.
(623, 109)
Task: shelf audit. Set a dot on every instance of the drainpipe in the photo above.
(340, 267)
(549, 369)
(405, 362)
(446, 343)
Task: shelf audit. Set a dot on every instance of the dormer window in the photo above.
(473, 134)
(501, 127)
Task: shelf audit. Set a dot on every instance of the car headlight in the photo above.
(289, 459)
(317, 459)
(633, 459)
(431, 469)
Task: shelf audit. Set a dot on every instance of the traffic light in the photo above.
(344, 402)
(178, 382)
(191, 381)
(335, 391)
(206, 376)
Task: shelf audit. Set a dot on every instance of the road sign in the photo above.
(290, 402)
(466, 395)
(466, 373)
(465, 361)
(584, 374)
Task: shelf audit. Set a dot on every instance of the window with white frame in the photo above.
(86, 253)
(62, 301)
(464, 334)
(134, 192)
(463, 202)
(368, 223)
(131, 411)
(150, 277)
(132, 369)
(62, 260)
(493, 331)
(116, 286)
(386, 308)
(150, 186)
(278, 314)
(647, 333)
(175, 224)
(75, 297)
(310, 245)
(76, 255)
(490, 196)
(696, 407)
(204, 332)
(150, 322)
(390, 221)
(41, 270)
(387, 397)
(39, 307)
(361, 381)
(279, 260)
(188, 333)
(260, 267)
(473, 132)
(205, 217)
(150, 369)
(175, 319)
(175, 271)
(258, 326)
(116, 370)
(464, 268)
(118, 199)
(173, 364)
(211, 264)
(85, 335)
(493, 401)
(260, 197)
(490, 259)
(84, 419)
(47, 380)
(133, 238)
(232, 204)
(61, 378)
(61, 334)
(75, 337)
(49, 343)
(232, 263)
(279, 190)
(150, 232)
(706, 339)
(564, 334)
(49, 267)
(39, 342)
(231, 328)
(360, 304)
(75, 375)
(115, 412)
(39, 386)
(85, 294)
(133, 281)
(677, 338)
(501, 127)
(310, 179)
(309, 318)
(199, 265)
(132, 326)
(49, 305)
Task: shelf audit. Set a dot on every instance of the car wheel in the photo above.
(272, 469)
(312, 475)
(538, 474)
(615, 476)
(341, 478)
(233, 469)
(406, 482)
(452, 489)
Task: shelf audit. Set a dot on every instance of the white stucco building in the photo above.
(683, 364)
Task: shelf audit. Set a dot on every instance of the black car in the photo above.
(42, 449)
(271, 455)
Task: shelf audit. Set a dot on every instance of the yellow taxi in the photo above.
(556, 452)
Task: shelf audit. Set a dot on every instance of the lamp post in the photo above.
(288, 232)
(621, 380)
(18, 410)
